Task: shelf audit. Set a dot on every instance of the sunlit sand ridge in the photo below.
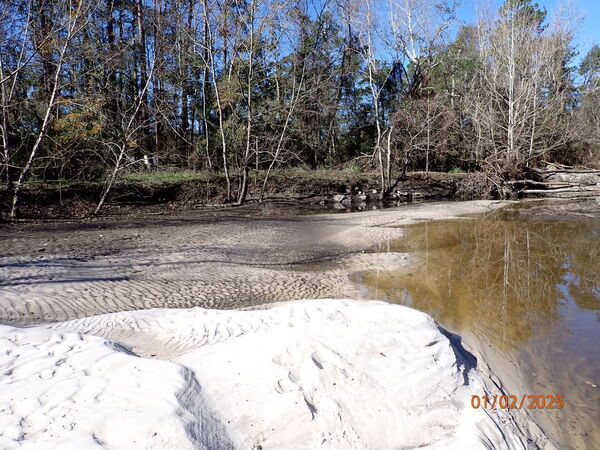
(307, 374)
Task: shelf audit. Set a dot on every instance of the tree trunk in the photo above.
(4, 127)
(147, 143)
(71, 29)
(212, 64)
(246, 159)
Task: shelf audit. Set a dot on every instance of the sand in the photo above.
(101, 368)
(316, 373)
(62, 271)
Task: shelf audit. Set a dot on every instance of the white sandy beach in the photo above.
(306, 374)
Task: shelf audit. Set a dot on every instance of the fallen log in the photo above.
(566, 171)
(539, 183)
(557, 179)
(560, 190)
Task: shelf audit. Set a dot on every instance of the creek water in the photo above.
(524, 287)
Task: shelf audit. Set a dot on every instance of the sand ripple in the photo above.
(65, 272)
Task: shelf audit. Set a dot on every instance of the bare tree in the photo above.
(412, 35)
(523, 86)
(249, 24)
(363, 19)
(289, 99)
(19, 33)
(74, 12)
(296, 90)
(130, 128)
(207, 53)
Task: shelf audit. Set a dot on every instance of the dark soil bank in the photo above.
(342, 190)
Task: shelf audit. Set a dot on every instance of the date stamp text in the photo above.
(514, 402)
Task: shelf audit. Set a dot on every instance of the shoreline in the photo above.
(519, 372)
(161, 193)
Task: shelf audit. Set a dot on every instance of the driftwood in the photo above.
(552, 172)
(538, 183)
(558, 180)
(560, 190)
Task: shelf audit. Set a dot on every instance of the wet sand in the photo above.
(69, 270)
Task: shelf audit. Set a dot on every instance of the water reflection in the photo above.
(530, 288)
(506, 277)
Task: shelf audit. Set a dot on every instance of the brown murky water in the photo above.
(526, 288)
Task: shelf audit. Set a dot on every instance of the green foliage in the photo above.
(526, 10)
(354, 167)
(590, 64)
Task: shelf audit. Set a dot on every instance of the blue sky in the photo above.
(589, 33)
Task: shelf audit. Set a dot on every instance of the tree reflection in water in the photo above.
(529, 288)
(503, 278)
